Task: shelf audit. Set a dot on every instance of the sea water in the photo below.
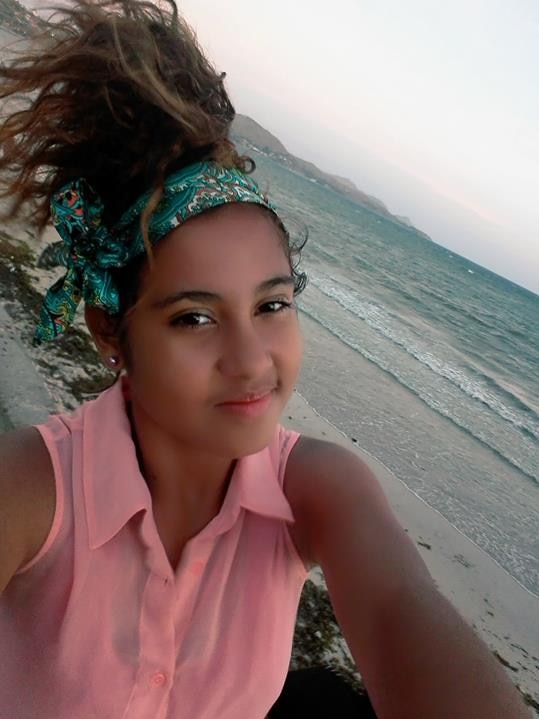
(429, 361)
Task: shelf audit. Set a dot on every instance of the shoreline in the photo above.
(499, 608)
(365, 453)
(490, 501)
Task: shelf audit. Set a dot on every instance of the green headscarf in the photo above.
(90, 250)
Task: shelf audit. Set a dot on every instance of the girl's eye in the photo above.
(194, 320)
(275, 306)
(191, 320)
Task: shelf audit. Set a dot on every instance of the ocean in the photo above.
(427, 360)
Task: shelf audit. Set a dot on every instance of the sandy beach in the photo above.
(503, 613)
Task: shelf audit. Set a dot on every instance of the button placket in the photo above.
(157, 651)
(188, 576)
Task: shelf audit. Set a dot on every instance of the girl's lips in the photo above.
(251, 407)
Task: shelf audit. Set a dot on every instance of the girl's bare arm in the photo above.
(418, 658)
(27, 499)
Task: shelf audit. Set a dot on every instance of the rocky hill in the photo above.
(257, 138)
(247, 129)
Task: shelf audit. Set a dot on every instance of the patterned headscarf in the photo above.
(90, 250)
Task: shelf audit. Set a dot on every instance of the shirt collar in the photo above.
(115, 490)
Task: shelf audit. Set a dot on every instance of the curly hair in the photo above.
(120, 93)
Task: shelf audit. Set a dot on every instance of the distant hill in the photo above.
(257, 138)
(246, 128)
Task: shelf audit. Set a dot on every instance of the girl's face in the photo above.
(216, 327)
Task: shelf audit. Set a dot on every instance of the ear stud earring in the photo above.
(114, 361)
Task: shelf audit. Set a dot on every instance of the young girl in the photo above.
(153, 544)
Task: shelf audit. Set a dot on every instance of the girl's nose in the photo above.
(245, 354)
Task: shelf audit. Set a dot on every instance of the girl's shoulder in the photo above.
(326, 466)
(27, 498)
(323, 480)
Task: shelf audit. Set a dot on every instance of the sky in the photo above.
(432, 107)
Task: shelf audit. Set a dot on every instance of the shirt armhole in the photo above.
(50, 443)
(287, 444)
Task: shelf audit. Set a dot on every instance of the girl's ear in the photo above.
(103, 330)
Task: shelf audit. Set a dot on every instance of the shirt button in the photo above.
(197, 567)
(158, 679)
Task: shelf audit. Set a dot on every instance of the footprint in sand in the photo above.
(504, 661)
(462, 560)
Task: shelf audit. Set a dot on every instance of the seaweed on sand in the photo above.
(70, 365)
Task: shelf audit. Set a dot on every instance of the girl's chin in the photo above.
(234, 445)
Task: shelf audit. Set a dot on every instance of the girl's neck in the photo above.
(177, 475)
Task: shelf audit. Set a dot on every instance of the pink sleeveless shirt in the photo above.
(99, 626)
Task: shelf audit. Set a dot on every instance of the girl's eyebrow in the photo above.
(205, 296)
